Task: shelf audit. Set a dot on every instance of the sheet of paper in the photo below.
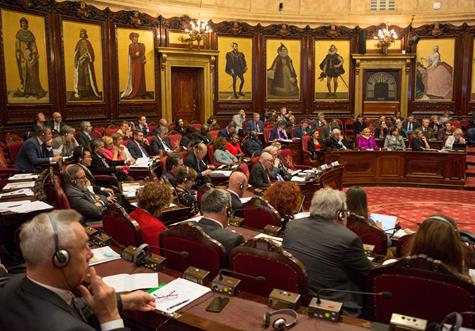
(276, 240)
(18, 185)
(23, 192)
(30, 207)
(143, 162)
(298, 179)
(221, 173)
(103, 254)
(399, 233)
(23, 176)
(127, 283)
(301, 215)
(5, 206)
(244, 200)
(177, 294)
(388, 221)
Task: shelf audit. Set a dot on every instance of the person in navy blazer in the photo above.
(138, 147)
(278, 132)
(36, 151)
(255, 125)
(228, 131)
(302, 130)
(160, 144)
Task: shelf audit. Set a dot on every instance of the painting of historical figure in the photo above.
(332, 69)
(234, 68)
(473, 71)
(136, 64)
(283, 69)
(435, 69)
(82, 61)
(25, 57)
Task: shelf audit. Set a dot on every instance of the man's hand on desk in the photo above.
(138, 300)
(207, 172)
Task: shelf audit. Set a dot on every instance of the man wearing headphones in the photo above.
(56, 251)
(236, 187)
(216, 210)
(333, 255)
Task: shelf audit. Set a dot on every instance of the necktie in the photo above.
(143, 151)
(44, 150)
(257, 127)
(278, 134)
(77, 309)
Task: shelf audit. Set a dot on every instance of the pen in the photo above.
(178, 304)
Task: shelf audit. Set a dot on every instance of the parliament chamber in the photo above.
(253, 165)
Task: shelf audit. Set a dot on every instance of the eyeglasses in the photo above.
(81, 178)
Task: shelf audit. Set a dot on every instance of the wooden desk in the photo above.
(140, 173)
(239, 314)
(398, 167)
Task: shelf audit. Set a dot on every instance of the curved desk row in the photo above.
(400, 167)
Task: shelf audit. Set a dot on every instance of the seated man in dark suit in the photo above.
(142, 125)
(85, 202)
(84, 137)
(332, 254)
(337, 141)
(104, 166)
(56, 124)
(255, 125)
(302, 130)
(228, 131)
(410, 124)
(194, 160)
(216, 210)
(279, 132)
(56, 250)
(171, 166)
(36, 151)
(160, 144)
(236, 187)
(259, 176)
(138, 146)
(427, 130)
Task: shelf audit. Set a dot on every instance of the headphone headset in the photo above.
(342, 213)
(458, 320)
(437, 218)
(140, 254)
(280, 323)
(72, 178)
(229, 208)
(241, 186)
(61, 256)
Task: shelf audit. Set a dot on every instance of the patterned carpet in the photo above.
(413, 205)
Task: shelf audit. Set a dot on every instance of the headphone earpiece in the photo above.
(61, 256)
(342, 214)
(280, 323)
(140, 254)
(241, 186)
(437, 218)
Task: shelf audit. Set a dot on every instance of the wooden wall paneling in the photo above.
(467, 69)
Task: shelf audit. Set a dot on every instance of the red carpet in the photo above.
(413, 205)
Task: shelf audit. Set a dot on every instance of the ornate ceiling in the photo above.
(302, 12)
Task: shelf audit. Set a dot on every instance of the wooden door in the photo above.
(187, 91)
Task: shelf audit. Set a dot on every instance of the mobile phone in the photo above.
(217, 304)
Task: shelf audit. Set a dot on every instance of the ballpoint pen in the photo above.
(178, 304)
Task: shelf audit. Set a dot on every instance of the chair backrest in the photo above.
(269, 124)
(13, 148)
(305, 140)
(369, 234)
(456, 124)
(110, 130)
(60, 198)
(196, 125)
(258, 213)
(213, 134)
(267, 132)
(417, 283)
(120, 226)
(332, 177)
(175, 140)
(211, 153)
(163, 161)
(286, 155)
(98, 132)
(203, 251)
(201, 191)
(262, 257)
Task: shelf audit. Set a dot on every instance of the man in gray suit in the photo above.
(56, 251)
(332, 254)
(216, 210)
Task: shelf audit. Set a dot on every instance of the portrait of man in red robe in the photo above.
(136, 81)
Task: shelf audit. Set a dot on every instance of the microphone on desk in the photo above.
(232, 272)
(383, 294)
(181, 253)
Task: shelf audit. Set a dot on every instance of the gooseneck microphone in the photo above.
(383, 294)
(232, 272)
(181, 253)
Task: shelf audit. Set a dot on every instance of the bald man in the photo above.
(236, 187)
(194, 160)
(56, 123)
(259, 176)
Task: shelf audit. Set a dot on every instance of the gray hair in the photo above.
(326, 202)
(271, 149)
(37, 235)
(215, 201)
(85, 124)
(335, 131)
(265, 156)
(161, 129)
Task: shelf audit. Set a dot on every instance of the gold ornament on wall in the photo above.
(385, 38)
(199, 32)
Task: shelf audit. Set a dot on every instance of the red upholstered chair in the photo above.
(420, 287)
(150, 138)
(110, 130)
(120, 226)
(262, 257)
(286, 155)
(14, 146)
(196, 125)
(175, 140)
(403, 245)
(369, 234)
(269, 124)
(213, 134)
(163, 161)
(258, 213)
(5, 170)
(211, 154)
(349, 126)
(98, 132)
(456, 124)
(332, 177)
(307, 156)
(203, 251)
(61, 200)
(267, 131)
(201, 191)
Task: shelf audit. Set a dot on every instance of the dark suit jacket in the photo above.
(171, 179)
(51, 125)
(259, 177)
(251, 126)
(299, 132)
(84, 140)
(405, 126)
(84, 203)
(236, 203)
(253, 146)
(199, 166)
(156, 145)
(332, 143)
(359, 127)
(429, 132)
(135, 151)
(28, 306)
(99, 168)
(333, 257)
(228, 238)
(224, 133)
(275, 135)
(31, 155)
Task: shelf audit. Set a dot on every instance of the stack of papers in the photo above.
(103, 254)
(23, 177)
(18, 185)
(130, 189)
(298, 179)
(244, 200)
(177, 294)
(23, 206)
(143, 162)
(301, 215)
(23, 192)
(221, 173)
(127, 283)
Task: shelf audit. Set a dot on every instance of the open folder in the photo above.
(388, 222)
